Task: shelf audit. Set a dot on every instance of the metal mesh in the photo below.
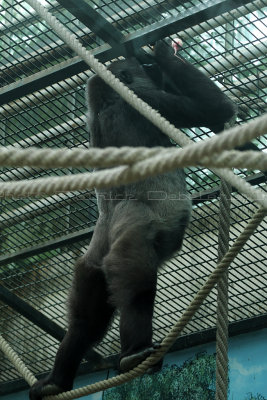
(42, 104)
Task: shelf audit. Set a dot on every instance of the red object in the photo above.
(177, 43)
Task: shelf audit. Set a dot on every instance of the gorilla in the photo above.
(140, 225)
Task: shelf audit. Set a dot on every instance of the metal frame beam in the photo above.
(197, 198)
(143, 9)
(149, 34)
(212, 194)
(29, 312)
(93, 20)
(47, 246)
(46, 324)
(106, 31)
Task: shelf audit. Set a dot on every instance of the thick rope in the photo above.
(176, 135)
(148, 162)
(200, 152)
(174, 332)
(108, 178)
(169, 158)
(180, 325)
(222, 295)
(77, 80)
(144, 109)
(128, 95)
(222, 340)
(222, 289)
(17, 362)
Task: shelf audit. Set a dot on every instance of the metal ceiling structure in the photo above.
(42, 104)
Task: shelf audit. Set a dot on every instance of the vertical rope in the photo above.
(222, 296)
(222, 291)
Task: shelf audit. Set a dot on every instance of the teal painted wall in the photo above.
(188, 374)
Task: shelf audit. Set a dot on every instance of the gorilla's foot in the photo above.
(131, 361)
(44, 387)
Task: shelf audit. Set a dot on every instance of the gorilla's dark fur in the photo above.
(140, 225)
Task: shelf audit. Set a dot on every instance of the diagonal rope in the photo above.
(118, 176)
(18, 363)
(172, 335)
(201, 152)
(129, 96)
(181, 323)
(175, 134)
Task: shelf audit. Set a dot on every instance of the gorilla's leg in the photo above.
(131, 270)
(90, 315)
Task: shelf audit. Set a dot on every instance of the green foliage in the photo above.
(194, 380)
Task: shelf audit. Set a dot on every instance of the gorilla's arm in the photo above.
(180, 110)
(204, 103)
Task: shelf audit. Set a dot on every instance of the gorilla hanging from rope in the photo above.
(140, 225)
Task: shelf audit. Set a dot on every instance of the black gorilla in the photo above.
(140, 225)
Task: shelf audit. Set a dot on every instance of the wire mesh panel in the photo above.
(42, 104)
